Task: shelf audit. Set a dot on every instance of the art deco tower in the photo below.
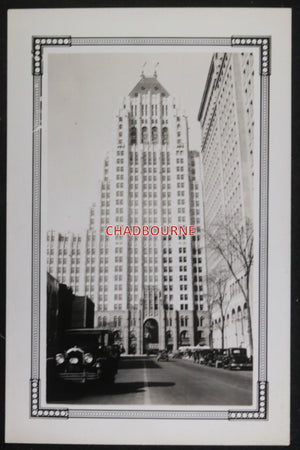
(151, 286)
(149, 289)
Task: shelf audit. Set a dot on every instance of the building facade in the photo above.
(227, 125)
(150, 290)
(65, 310)
(72, 258)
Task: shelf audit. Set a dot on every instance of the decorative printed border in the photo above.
(37, 411)
(39, 44)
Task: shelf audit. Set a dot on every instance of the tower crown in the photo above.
(147, 84)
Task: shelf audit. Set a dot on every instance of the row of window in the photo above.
(103, 321)
(234, 314)
(145, 136)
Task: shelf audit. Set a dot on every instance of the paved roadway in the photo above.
(142, 380)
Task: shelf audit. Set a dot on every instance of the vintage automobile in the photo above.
(236, 359)
(87, 354)
(162, 355)
(203, 355)
(212, 358)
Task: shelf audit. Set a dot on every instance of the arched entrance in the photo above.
(150, 334)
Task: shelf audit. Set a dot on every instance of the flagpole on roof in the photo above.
(143, 66)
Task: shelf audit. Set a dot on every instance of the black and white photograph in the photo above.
(152, 264)
(160, 264)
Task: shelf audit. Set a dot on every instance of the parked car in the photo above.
(236, 359)
(86, 354)
(204, 355)
(152, 352)
(162, 355)
(213, 358)
(177, 354)
(219, 359)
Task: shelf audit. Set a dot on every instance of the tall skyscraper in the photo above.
(149, 289)
(227, 125)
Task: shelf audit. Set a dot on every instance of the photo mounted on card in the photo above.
(150, 215)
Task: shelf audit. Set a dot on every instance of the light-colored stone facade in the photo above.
(227, 125)
(147, 284)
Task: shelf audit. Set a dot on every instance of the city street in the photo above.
(142, 380)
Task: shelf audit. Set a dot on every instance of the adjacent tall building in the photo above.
(72, 258)
(150, 290)
(227, 124)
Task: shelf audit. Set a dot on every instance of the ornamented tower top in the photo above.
(148, 85)
(150, 117)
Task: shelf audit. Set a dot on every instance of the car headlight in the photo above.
(88, 358)
(60, 359)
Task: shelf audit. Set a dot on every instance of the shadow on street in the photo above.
(64, 392)
(138, 363)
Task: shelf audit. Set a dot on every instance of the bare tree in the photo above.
(217, 285)
(233, 242)
(210, 303)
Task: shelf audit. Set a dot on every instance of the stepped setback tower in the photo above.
(149, 289)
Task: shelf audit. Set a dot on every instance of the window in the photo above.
(144, 135)
(165, 135)
(233, 315)
(133, 135)
(154, 135)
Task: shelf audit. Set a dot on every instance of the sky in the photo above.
(84, 93)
